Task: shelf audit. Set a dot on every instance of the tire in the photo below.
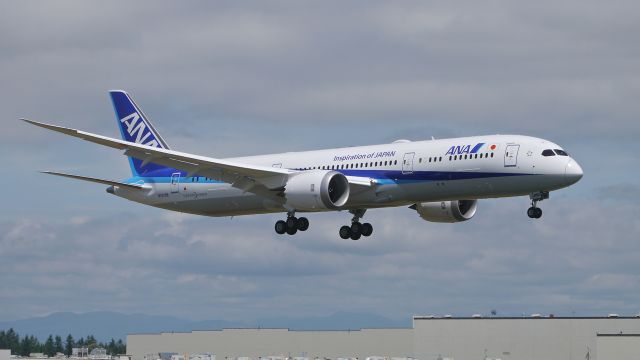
(355, 236)
(538, 213)
(281, 227)
(531, 212)
(292, 231)
(345, 232)
(367, 229)
(356, 228)
(303, 224)
(292, 223)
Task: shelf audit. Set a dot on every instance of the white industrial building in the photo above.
(430, 338)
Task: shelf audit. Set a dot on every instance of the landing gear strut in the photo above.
(292, 224)
(534, 211)
(356, 230)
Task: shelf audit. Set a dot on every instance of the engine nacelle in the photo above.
(315, 190)
(447, 211)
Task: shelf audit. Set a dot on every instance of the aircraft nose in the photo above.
(572, 172)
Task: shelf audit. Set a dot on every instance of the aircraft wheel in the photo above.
(281, 227)
(292, 223)
(367, 229)
(538, 213)
(292, 231)
(355, 236)
(303, 224)
(356, 228)
(531, 212)
(345, 232)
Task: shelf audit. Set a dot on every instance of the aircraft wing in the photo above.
(261, 180)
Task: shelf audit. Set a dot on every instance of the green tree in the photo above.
(11, 341)
(92, 343)
(121, 347)
(111, 348)
(49, 347)
(28, 345)
(58, 344)
(69, 345)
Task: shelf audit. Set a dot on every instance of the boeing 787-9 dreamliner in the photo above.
(441, 180)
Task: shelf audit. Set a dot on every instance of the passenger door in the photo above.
(511, 155)
(407, 163)
(175, 183)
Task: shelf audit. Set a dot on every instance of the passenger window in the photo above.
(491, 154)
(449, 157)
(440, 158)
(548, 152)
(561, 152)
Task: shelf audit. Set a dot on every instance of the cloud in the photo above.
(134, 264)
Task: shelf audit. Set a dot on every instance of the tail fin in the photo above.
(135, 127)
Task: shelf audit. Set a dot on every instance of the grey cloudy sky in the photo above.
(240, 78)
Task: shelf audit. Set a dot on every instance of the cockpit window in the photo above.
(561, 152)
(548, 152)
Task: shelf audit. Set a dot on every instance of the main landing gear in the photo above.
(356, 230)
(534, 211)
(292, 224)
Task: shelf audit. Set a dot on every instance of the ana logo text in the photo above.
(138, 129)
(464, 149)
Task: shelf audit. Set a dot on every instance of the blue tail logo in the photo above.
(135, 127)
(138, 131)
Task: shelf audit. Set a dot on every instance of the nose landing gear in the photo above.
(292, 224)
(534, 212)
(357, 229)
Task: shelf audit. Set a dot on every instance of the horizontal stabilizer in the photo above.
(96, 180)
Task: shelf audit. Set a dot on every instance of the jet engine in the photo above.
(447, 211)
(315, 190)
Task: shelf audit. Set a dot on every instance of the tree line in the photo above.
(30, 344)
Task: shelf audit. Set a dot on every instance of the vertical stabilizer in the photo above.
(135, 127)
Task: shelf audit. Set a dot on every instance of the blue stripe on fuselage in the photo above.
(381, 176)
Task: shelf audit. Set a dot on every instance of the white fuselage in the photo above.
(403, 173)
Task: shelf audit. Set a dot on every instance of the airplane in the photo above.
(442, 180)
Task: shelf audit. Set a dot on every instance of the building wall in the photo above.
(514, 338)
(457, 338)
(273, 342)
(619, 347)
